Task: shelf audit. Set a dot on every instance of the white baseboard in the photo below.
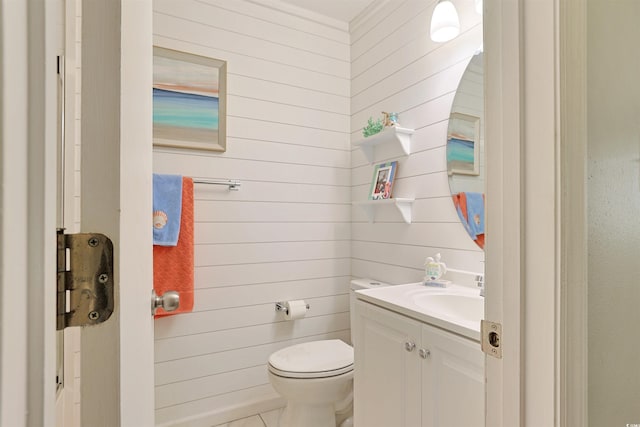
(227, 414)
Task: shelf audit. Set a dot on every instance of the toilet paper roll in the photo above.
(296, 309)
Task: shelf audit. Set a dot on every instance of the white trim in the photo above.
(43, 196)
(572, 335)
(367, 13)
(117, 356)
(523, 211)
(14, 176)
(536, 252)
(267, 402)
(27, 254)
(100, 130)
(542, 225)
(136, 237)
(504, 247)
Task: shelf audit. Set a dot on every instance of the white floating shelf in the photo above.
(404, 206)
(390, 135)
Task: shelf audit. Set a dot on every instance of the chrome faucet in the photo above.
(480, 283)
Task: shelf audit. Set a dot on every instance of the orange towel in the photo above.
(460, 202)
(173, 265)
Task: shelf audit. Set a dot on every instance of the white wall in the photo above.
(299, 94)
(286, 233)
(397, 68)
(613, 203)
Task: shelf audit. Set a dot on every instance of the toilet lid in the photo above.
(316, 359)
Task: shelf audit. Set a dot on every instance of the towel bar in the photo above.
(232, 184)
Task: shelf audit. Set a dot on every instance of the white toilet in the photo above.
(316, 377)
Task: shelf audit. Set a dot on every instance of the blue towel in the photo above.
(475, 213)
(167, 209)
(463, 221)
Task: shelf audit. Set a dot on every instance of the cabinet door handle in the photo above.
(424, 353)
(409, 346)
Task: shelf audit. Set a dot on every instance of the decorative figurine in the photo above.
(434, 268)
(389, 119)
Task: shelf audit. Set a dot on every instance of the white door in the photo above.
(27, 212)
(503, 248)
(117, 356)
(524, 263)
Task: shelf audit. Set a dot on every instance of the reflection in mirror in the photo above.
(465, 150)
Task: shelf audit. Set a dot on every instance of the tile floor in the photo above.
(267, 419)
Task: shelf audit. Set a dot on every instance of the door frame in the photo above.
(117, 360)
(518, 45)
(117, 189)
(504, 252)
(535, 262)
(535, 55)
(572, 305)
(27, 212)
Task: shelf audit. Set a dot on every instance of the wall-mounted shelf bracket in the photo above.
(403, 205)
(401, 137)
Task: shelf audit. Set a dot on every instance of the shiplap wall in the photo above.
(397, 68)
(299, 94)
(286, 234)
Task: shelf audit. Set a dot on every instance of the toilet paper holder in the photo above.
(280, 306)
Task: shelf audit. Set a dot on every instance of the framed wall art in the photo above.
(189, 100)
(384, 176)
(463, 145)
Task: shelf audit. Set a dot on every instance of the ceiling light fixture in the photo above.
(445, 24)
(479, 6)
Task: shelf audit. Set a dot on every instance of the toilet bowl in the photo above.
(316, 378)
(313, 377)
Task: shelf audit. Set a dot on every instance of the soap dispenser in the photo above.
(434, 270)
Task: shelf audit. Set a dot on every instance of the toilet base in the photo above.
(296, 415)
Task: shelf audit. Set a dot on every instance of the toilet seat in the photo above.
(316, 359)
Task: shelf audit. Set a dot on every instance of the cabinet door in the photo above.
(452, 380)
(387, 368)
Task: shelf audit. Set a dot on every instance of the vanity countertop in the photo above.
(457, 309)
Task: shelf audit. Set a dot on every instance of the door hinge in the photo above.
(491, 336)
(85, 279)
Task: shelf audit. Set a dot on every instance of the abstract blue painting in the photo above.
(463, 144)
(189, 94)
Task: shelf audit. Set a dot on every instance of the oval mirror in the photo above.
(465, 150)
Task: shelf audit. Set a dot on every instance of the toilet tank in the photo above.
(356, 285)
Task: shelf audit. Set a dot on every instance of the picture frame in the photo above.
(384, 175)
(189, 100)
(463, 145)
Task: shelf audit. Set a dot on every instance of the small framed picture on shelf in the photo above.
(384, 175)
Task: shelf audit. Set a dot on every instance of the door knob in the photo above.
(409, 346)
(424, 353)
(169, 301)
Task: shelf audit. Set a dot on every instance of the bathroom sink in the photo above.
(468, 308)
(458, 309)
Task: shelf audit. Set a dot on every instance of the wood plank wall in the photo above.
(299, 94)
(395, 67)
(286, 234)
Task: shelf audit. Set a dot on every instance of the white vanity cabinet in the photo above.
(411, 374)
